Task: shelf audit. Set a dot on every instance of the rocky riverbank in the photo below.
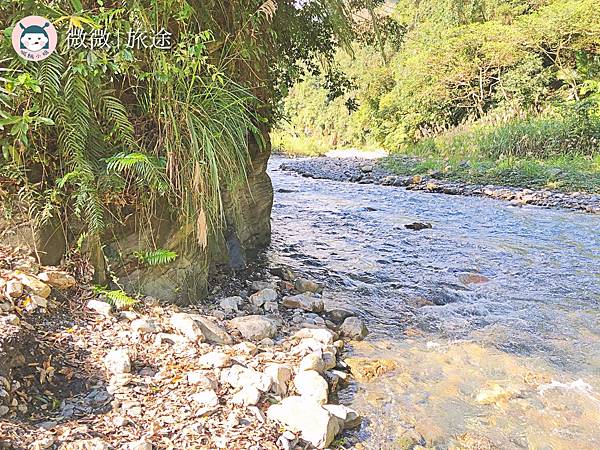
(372, 172)
(257, 370)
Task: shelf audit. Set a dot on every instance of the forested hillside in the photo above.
(486, 78)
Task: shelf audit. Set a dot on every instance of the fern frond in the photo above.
(158, 257)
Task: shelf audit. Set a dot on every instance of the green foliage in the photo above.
(159, 257)
(118, 299)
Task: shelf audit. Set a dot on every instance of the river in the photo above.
(492, 315)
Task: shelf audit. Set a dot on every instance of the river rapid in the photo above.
(492, 315)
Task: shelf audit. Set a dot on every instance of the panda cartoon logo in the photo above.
(34, 38)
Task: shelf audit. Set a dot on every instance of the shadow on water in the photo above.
(492, 315)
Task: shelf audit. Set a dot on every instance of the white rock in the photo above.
(306, 302)
(212, 332)
(246, 348)
(322, 335)
(271, 307)
(138, 445)
(85, 444)
(99, 307)
(201, 379)
(206, 398)
(187, 326)
(239, 376)
(353, 328)
(231, 304)
(118, 361)
(214, 360)
(280, 375)
(254, 327)
(247, 396)
(261, 297)
(312, 361)
(57, 279)
(312, 385)
(347, 416)
(35, 285)
(35, 301)
(14, 288)
(302, 415)
(144, 326)
(4, 410)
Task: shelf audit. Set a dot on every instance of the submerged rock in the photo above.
(366, 369)
(303, 285)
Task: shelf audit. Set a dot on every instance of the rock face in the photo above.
(353, 328)
(304, 301)
(254, 327)
(307, 417)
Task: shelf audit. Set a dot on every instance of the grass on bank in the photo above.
(553, 152)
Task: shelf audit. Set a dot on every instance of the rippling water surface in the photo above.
(511, 362)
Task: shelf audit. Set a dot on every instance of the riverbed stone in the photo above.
(353, 328)
(254, 327)
(58, 279)
(322, 335)
(206, 398)
(231, 304)
(280, 375)
(14, 288)
(313, 361)
(202, 379)
(144, 326)
(214, 360)
(184, 324)
(304, 285)
(99, 307)
(367, 369)
(212, 332)
(310, 384)
(305, 301)
(348, 417)
(307, 417)
(259, 298)
(85, 444)
(238, 376)
(34, 285)
(118, 361)
(247, 396)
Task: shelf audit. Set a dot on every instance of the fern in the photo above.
(118, 299)
(158, 257)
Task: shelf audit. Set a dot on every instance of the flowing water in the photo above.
(492, 316)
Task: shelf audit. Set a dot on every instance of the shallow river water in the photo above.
(492, 316)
